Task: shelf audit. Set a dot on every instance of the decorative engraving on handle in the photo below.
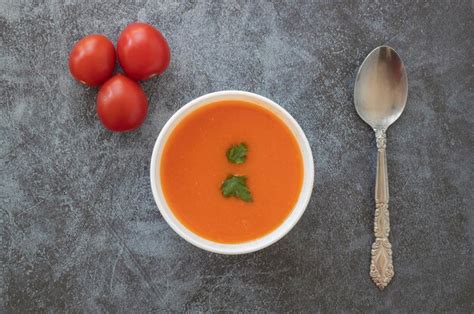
(381, 139)
(381, 265)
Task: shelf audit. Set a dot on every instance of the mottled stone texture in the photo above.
(80, 231)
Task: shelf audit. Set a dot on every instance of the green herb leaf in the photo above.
(237, 154)
(236, 186)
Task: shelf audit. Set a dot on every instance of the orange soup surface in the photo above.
(194, 165)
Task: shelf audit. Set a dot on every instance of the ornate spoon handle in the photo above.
(381, 266)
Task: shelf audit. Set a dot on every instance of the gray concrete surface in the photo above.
(80, 231)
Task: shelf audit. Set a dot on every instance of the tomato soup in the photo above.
(194, 166)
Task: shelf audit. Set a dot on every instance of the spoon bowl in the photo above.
(381, 88)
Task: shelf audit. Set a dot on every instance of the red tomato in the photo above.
(142, 51)
(92, 60)
(121, 104)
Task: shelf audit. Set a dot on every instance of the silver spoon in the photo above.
(380, 95)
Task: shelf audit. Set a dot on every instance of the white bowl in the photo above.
(287, 224)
